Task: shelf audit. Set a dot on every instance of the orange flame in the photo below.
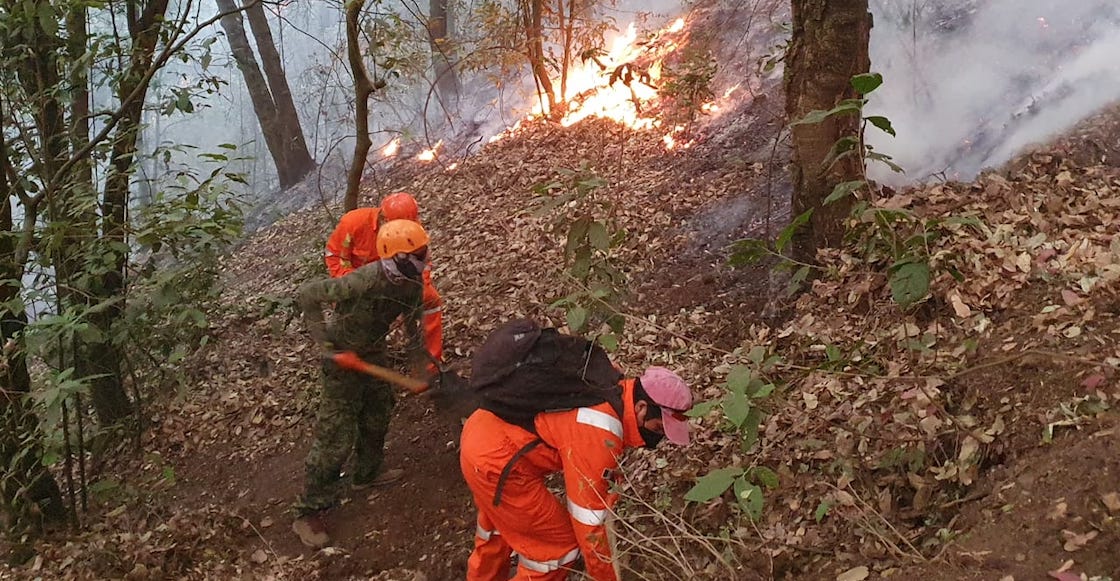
(429, 154)
(392, 148)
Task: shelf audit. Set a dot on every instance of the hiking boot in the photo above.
(386, 478)
(312, 531)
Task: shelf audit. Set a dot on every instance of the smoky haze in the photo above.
(969, 84)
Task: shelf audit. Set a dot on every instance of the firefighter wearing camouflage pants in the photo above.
(355, 409)
(354, 414)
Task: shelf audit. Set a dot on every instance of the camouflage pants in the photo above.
(353, 417)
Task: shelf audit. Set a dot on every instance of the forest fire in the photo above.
(621, 85)
(392, 148)
(430, 154)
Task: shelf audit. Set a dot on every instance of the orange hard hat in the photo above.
(400, 236)
(400, 206)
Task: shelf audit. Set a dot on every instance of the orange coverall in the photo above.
(354, 243)
(548, 536)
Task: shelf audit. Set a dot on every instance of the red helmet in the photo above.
(400, 206)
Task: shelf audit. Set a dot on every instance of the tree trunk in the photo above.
(829, 47)
(363, 88)
(300, 162)
(259, 94)
(107, 389)
(531, 15)
(447, 80)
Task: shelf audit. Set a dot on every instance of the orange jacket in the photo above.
(585, 444)
(354, 243)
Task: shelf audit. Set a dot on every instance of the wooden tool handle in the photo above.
(350, 360)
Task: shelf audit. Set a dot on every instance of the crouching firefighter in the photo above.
(555, 403)
(354, 409)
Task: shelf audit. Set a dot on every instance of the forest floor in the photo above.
(972, 436)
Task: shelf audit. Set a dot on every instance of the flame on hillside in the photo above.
(622, 85)
(392, 148)
(430, 154)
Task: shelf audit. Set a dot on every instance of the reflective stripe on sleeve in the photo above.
(432, 311)
(587, 516)
(600, 420)
(549, 566)
(483, 533)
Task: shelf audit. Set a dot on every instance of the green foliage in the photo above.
(182, 233)
(909, 268)
(580, 211)
(687, 86)
(742, 410)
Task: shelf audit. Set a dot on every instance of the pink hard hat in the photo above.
(671, 393)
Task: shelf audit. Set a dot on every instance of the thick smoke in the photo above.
(969, 84)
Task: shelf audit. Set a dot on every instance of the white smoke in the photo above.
(968, 84)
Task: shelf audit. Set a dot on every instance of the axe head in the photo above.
(452, 395)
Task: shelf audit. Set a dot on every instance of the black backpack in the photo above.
(522, 370)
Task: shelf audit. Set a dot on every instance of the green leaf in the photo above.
(47, 19)
(49, 459)
(577, 316)
(819, 115)
(609, 341)
(598, 237)
(713, 484)
(867, 82)
(822, 510)
(882, 123)
(910, 283)
(701, 409)
(747, 251)
(763, 391)
(796, 280)
(765, 477)
(787, 233)
(576, 235)
(737, 408)
(739, 378)
(749, 430)
(757, 354)
(750, 498)
(844, 147)
(843, 190)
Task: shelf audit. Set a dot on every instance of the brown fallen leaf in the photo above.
(1075, 541)
(1111, 501)
(1093, 381)
(1071, 298)
(259, 556)
(854, 574)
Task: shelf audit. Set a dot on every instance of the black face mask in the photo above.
(650, 437)
(408, 266)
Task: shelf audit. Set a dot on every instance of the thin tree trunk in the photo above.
(531, 14)
(830, 46)
(107, 388)
(261, 97)
(447, 80)
(363, 88)
(300, 162)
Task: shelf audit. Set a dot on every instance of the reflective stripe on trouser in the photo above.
(531, 520)
(548, 566)
(490, 559)
(353, 416)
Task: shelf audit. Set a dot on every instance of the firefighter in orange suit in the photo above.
(516, 512)
(354, 243)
